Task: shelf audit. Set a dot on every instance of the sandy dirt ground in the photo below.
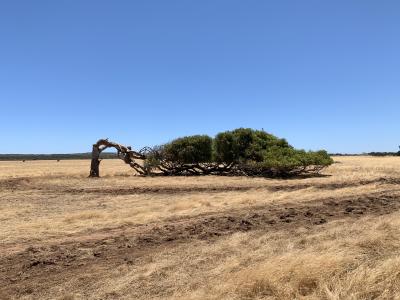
(66, 236)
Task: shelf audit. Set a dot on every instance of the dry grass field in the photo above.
(65, 236)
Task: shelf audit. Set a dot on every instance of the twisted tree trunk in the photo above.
(95, 164)
(164, 167)
(124, 153)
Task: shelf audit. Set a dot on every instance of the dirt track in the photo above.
(26, 183)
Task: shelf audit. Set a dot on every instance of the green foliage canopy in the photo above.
(241, 151)
(244, 144)
(189, 149)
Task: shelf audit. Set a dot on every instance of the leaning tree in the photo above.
(242, 151)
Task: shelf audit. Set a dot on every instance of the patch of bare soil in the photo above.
(39, 267)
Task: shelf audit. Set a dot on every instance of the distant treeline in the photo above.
(368, 154)
(384, 153)
(22, 157)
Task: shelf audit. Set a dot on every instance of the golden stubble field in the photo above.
(65, 236)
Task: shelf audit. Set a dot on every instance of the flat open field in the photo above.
(65, 236)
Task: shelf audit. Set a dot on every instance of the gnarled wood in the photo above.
(95, 164)
(124, 152)
(164, 167)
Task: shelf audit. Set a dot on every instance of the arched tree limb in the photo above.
(123, 152)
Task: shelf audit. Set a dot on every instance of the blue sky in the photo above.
(323, 74)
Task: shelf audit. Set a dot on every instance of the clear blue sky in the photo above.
(323, 74)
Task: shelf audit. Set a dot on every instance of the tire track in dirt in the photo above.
(21, 272)
(270, 216)
(29, 184)
(220, 189)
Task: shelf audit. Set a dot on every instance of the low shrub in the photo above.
(286, 161)
(244, 144)
(189, 149)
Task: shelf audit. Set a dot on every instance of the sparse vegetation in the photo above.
(209, 237)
